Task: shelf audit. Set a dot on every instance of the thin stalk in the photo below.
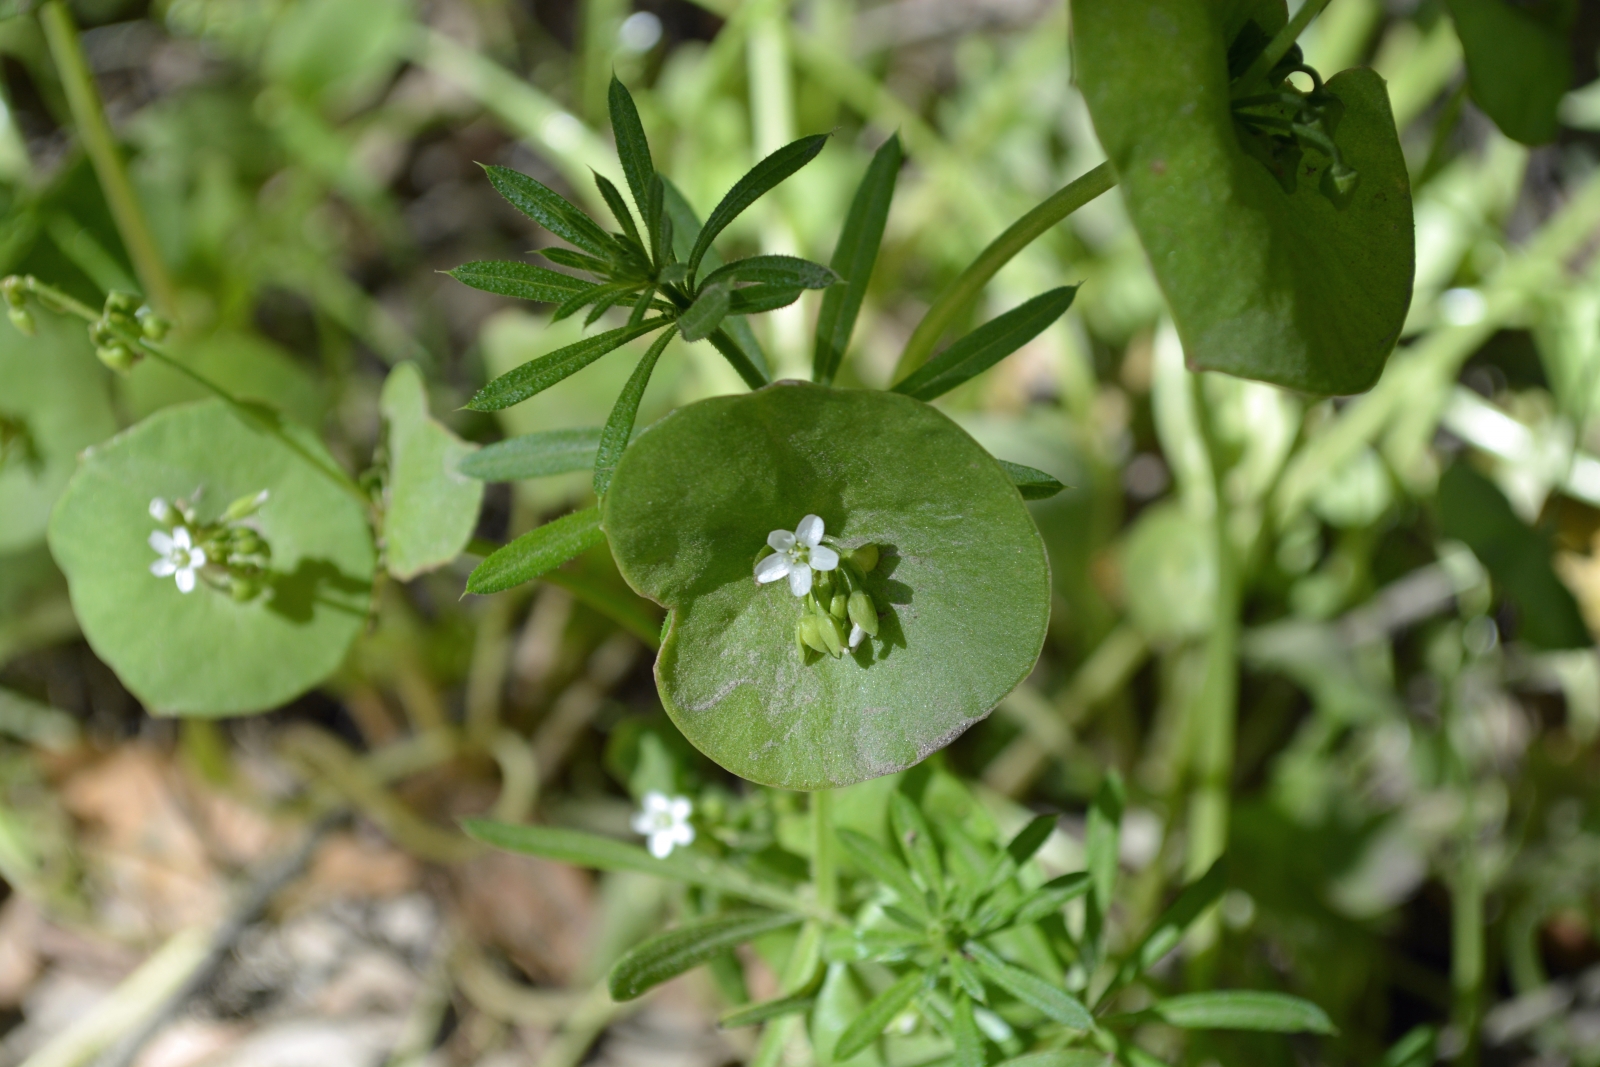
(89, 116)
(824, 861)
(965, 289)
(1250, 80)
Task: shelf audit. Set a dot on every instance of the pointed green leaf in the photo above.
(911, 833)
(870, 857)
(601, 295)
(1031, 838)
(523, 281)
(539, 550)
(534, 455)
(754, 299)
(619, 208)
(747, 190)
(539, 374)
(1305, 288)
(1032, 484)
(1051, 897)
(877, 1015)
(566, 257)
(738, 342)
(1519, 62)
(790, 272)
(1043, 996)
(1170, 926)
(552, 211)
(853, 259)
(705, 314)
(752, 1014)
(987, 345)
(964, 1034)
(632, 148)
(1102, 840)
(669, 954)
(431, 508)
(1244, 1009)
(619, 427)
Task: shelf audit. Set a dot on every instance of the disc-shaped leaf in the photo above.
(962, 584)
(1519, 63)
(432, 506)
(1305, 288)
(203, 653)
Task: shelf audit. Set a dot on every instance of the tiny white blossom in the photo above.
(856, 635)
(180, 557)
(159, 509)
(796, 555)
(665, 821)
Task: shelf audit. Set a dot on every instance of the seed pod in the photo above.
(837, 607)
(811, 632)
(22, 319)
(244, 588)
(862, 612)
(865, 557)
(828, 630)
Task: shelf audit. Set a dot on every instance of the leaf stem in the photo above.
(961, 292)
(1250, 80)
(89, 116)
(824, 864)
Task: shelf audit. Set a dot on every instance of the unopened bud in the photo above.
(836, 607)
(116, 355)
(14, 289)
(120, 303)
(862, 612)
(865, 557)
(810, 631)
(151, 325)
(244, 588)
(833, 634)
(22, 319)
(245, 506)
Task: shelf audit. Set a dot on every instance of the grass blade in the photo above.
(877, 1015)
(534, 455)
(537, 551)
(537, 375)
(853, 259)
(669, 954)
(747, 190)
(619, 426)
(987, 345)
(524, 281)
(552, 211)
(1244, 1009)
(1032, 484)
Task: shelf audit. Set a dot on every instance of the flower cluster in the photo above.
(829, 579)
(226, 554)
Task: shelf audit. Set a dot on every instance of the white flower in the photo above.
(665, 821)
(796, 555)
(159, 509)
(180, 557)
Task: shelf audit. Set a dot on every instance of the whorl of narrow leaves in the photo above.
(537, 551)
(853, 258)
(987, 345)
(669, 954)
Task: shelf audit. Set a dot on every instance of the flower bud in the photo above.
(14, 290)
(811, 631)
(837, 607)
(116, 355)
(121, 303)
(862, 612)
(865, 557)
(244, 588)
(22, 319)
(245, 506)
(151, 325)
(163, 512)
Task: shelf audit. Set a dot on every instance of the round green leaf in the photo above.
(962, 583)
(54, 400)
(1305, 288)
(203, 653)
(432, 506)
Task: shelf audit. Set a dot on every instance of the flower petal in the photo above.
(780, 540)
(680, 809)
(771, 568)
(655, 802)
(856, 634)
(163, 568)
(185, 580)
(642, 823)
(197, 557)
(800, 581)
(161, 541)
(809, 532)
(661, 844)
(824, 558)
(682, 834)
(158, 509)
(180, 537)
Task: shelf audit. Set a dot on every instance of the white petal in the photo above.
(661, 844)
(809, 532)
(642, 823)
(655, 802)
(158, 509)
(163, 568)
(800, 581)
(772, 568)
(186, 580)
(780, 540)
(824, 558)
(197, 557)
(161, 541)
(682, 834)
(180, 537)
(680, 809)
(856, 634)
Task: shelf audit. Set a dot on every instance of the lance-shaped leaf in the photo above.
(619, 208)
(669, 954)
(566, 257)
(964, 1034)
(961, 586)
(870, 857)
(431, 507)
(706, 313)
(1519, 62)
(1102, 841)
(739, 343)
(754, 299)
(602, 296)
(756, 183)
(751, 1014)
(911, 833)
(1044, 997)
(987, 345)
(534, 455)
(1051, 897)
(1031, 838)
(541, 549)
(877, 1015)
(1244, 1009)
(853, 259)
(524, 281)
(791, 272)
(1305, 288)
(1169, 927)
(552, 211)
(1032, 484)
(536, 375)
(632, 148)
(619, 427)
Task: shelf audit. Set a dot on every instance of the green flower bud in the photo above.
(811, 630)
(865, 557)
(120, 303)
(14, 289)
(244, 588)
(22, 319)
(822, 582)
(835, 634)
(863, 614)
(836, 607)
(118, 356)
(245, 506)
(151, 325)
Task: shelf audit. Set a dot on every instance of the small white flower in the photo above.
(159, 509)
(796, 555)
(180, 557)
(856, 635)
(665, 821)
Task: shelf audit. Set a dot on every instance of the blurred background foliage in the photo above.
(1408, 764)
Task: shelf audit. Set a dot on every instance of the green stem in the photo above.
(89, 116)
(1250, 80)
(824, 862)
(965, 289)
